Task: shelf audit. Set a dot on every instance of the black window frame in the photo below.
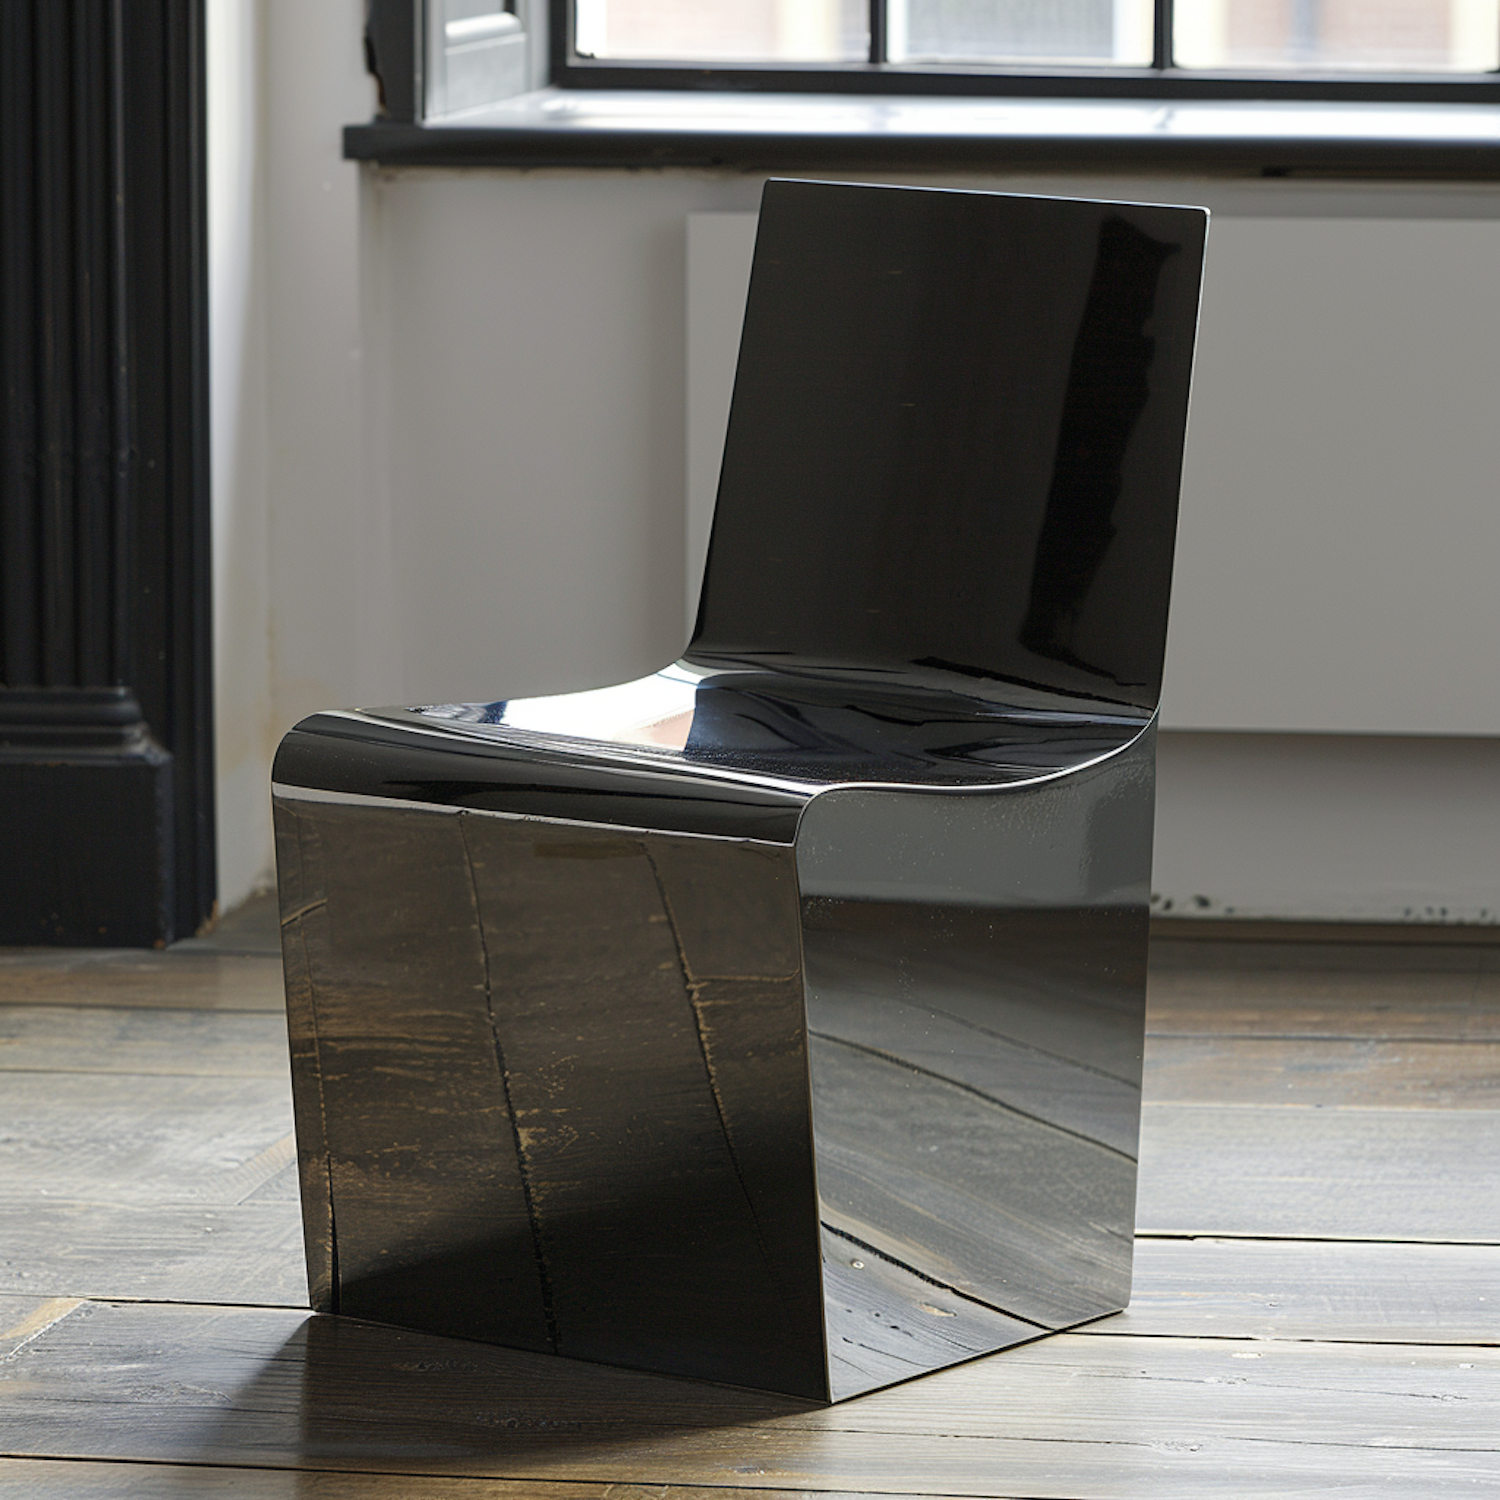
(1162, 80)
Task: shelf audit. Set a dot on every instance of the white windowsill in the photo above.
(629, 128)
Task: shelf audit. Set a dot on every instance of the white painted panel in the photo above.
(1352, 827)
(1340, 524)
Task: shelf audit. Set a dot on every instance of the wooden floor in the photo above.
(1317, 1292)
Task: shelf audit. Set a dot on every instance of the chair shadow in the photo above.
(345, 1394)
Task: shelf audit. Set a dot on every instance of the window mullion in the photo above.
(1161, 46)
(877, 32)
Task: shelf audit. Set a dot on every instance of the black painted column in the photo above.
(106, 728)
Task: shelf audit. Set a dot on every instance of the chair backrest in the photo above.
(955, 443)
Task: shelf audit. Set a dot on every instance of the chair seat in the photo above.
(739, 749)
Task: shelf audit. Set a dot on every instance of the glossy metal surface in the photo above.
(975, 970)
(777, 1019)
(962, 476)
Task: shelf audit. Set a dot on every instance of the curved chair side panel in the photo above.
(395, 1064)
(561, 1076)
(299, 880)
(976, 969)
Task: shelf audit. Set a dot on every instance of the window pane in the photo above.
(724, 30)
(1114, 32)
(1395, 36)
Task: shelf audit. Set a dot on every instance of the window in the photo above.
(440, 58)
(1308, 48)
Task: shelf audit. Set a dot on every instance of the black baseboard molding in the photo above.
(86, 860)
(1287, 930)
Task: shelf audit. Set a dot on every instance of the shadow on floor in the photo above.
(341, 1393)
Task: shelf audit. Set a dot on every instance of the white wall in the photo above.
(238, 433)
(473, 475)
(287, 404)
(321, 506)
(533, 437)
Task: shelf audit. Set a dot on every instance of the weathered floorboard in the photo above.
(1329, 1290)
(1345, 1072)
(146, 1042)
(1099, 1415)
(1312, 1004)
(200, 980)
(82, 1479)
(24, 1318)
(183, 1252)
(127, 1139)
(1379, 1174)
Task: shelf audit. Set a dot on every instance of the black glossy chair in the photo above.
(778, 1018)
